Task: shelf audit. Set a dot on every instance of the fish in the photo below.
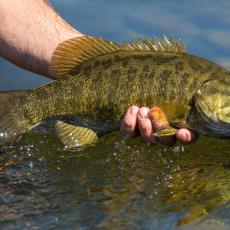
(96, 81)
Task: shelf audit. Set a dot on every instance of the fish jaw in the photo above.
(212, 103)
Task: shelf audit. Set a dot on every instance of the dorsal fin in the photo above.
(75, 51)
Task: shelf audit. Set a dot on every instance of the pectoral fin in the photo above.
(165, 116)
(74, 136)
(176, 113)
(165, 131)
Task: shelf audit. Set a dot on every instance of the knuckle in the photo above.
(127, 125)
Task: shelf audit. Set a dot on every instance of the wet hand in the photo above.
(136, 120)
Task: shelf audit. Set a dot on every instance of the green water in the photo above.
(115, 184)
(122, 184)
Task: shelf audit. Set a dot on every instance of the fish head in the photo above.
(212, 103)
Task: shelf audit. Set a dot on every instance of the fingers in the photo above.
(145, 125)
(135, 118)
(129, 122)
(138, 119)
(185, 136)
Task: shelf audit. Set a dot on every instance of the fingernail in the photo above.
(144, 112)
(134, 110)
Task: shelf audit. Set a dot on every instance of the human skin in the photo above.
(30, 31)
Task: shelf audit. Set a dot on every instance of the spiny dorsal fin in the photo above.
(75, 51)
(165, 45)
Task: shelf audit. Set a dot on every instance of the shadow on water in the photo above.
(115, 184)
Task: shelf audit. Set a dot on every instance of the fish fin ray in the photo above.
(73, 52)
(171, 117)
(73, 136)
(154, 44)
(10, 120)
(165, 131)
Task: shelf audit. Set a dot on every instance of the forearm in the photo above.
(30, 30)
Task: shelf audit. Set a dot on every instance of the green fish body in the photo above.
(98, 81)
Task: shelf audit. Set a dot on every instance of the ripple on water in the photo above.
(116, 182)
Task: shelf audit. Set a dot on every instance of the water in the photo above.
(119, 183)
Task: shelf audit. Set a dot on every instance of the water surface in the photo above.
(119, 183)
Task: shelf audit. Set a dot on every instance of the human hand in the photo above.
(138, 119)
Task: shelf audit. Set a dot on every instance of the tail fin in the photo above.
(11, 118)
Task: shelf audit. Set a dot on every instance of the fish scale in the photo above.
(100, 80)
(164, 86)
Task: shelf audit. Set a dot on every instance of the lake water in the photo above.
(119, 183)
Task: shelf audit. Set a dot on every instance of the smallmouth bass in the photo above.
(99, 80)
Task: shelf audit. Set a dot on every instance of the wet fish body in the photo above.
(98, 80)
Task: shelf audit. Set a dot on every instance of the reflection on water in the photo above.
(117, 183)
